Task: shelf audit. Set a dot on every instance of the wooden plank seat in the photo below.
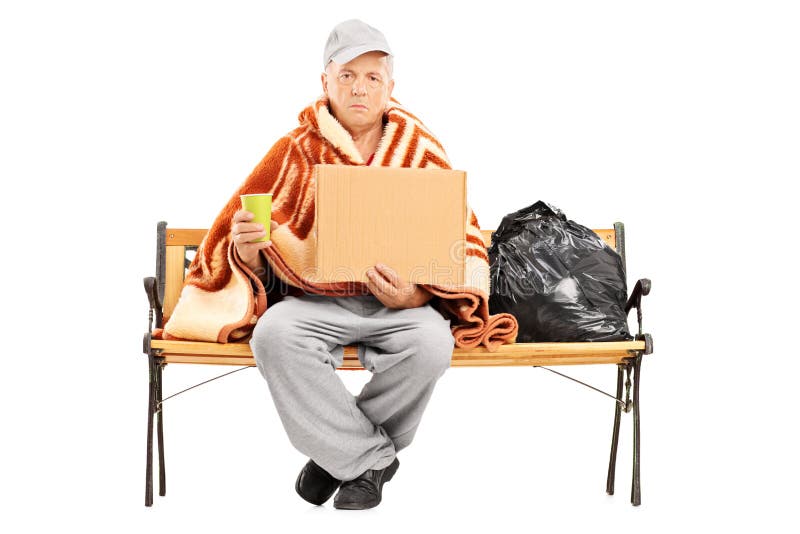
(512, 354)
(164, 289)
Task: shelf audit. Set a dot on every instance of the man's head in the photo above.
(358, 74)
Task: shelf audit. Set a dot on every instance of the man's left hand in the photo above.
(393, 291)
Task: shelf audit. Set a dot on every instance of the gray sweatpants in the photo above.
(299, 342)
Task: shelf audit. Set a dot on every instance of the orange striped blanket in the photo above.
(222, 299)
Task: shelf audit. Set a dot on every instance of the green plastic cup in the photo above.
(260, 205)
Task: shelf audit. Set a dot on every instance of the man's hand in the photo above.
(242, 232)
(393, 291)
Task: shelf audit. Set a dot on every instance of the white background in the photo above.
(678, 118)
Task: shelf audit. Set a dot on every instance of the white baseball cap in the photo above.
(352, 38)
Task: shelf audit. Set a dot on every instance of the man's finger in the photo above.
(242, 215)
(248, 237)
(389, 274)
(401, 286)
(257, 246)
(380, 283)
(377, 293)
(243, 228)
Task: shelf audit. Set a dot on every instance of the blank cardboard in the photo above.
(412, 220)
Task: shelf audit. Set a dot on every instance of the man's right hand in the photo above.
(243, 231)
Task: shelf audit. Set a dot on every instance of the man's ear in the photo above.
(324, 78)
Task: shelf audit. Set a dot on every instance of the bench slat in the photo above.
(175, 269)
(609, 235)
(506, 355)
(354, 364)
(191, 237)
(177, 239)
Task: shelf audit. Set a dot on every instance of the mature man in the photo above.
(408, 345)
(298, 328)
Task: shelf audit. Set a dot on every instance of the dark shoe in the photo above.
(365, 491)
(314, 484)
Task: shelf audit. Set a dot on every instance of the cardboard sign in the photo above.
(412, 220)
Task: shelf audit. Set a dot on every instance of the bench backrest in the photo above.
(174, 243)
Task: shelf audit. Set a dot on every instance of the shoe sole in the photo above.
(388, 474)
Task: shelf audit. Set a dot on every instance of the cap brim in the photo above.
(349, 54)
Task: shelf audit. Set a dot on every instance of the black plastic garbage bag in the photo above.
(558, 278)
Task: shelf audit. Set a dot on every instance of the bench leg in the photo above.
(636, 490)
(151, 408)
(162, 476)
(612, 463)
(153, 411)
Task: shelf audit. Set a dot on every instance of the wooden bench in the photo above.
(164, 289)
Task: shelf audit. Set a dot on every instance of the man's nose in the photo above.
(359, 87)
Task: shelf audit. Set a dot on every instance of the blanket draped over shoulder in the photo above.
(222, 299)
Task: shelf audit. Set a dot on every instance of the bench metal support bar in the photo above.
(618, 399)
(155, 367)
(636, 490)
(158, 407)
(612, 463)
(632, 366)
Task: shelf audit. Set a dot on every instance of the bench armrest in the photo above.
(151, 288)
(641, 289)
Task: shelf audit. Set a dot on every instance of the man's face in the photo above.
(359, 90)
